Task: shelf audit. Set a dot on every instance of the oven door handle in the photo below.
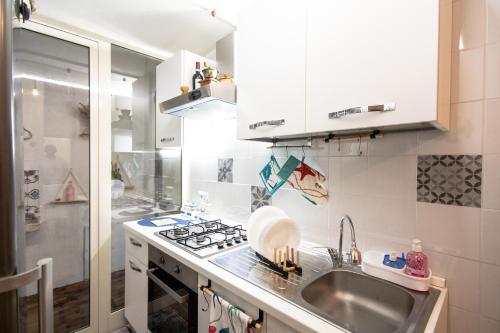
(178, 298)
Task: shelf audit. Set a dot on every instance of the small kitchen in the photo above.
(275, 167)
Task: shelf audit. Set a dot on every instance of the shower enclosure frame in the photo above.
(95, 154)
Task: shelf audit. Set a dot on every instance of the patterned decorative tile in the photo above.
(225, 173)
(450, 179)
(259, 198)
(31, 195)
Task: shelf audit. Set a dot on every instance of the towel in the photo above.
(305, 179)
(226, 318)
(269, 176)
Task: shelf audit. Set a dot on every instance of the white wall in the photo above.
(375, 182)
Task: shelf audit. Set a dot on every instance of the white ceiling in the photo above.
(162, 27)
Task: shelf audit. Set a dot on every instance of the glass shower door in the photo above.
(53, 104)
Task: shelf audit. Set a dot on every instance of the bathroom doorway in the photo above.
(55, 105)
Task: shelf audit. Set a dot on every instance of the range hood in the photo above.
(216, 100)
(213, 101)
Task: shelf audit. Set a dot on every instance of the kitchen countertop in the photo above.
(293, 315)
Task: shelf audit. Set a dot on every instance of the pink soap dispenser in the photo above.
(416, 261)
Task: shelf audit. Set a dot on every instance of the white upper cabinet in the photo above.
(356, 54)
(366, 53)
(270, 58)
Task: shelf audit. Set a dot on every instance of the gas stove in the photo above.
(205, 237)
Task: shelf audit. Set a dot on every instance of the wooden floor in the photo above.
(71, 305)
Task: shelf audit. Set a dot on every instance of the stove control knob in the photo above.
(162, 260)
(177, 269)
(220, 244)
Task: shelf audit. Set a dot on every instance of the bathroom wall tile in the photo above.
(493, 25)
(449, 229)
(450, 179)
(464, 136)
(491, 181)
(492, 71)
(259, 198)
(461, 321)
(348, 175)
(469, 20)
(467, 75)
(392, 176)
(225, 170)
(490, 232)
(462, 279)
(394, 144)
(490, 291)
(487, 325)
(491, 133)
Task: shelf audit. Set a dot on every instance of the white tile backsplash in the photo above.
(449, 229)
(462, 278)
(468, 24)
(490, 291)
(467, 69)
(490, 230)
(394, 144)
(487, 325)
(348, 175)
(491, 134)
(464, 136)
(492, 71)
(493, 23)
(491, 182)
(392, 176)
(461, 321)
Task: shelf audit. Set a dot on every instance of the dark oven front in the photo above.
(172, 295)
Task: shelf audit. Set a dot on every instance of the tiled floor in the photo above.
(117, 290)
(71, 305)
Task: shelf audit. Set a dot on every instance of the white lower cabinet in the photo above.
(274, 325)
(204, 316)
(136, 293)
(270, 324)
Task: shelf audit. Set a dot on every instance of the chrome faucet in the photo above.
(354, 254)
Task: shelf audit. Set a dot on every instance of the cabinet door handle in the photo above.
(278, 122)
(134, 242)
(362, 109)
(178, 298)
(134, 267)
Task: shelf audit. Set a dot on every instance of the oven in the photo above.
(172, 295)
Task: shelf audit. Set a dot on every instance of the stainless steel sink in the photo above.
(346, 297)
(361, 303)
